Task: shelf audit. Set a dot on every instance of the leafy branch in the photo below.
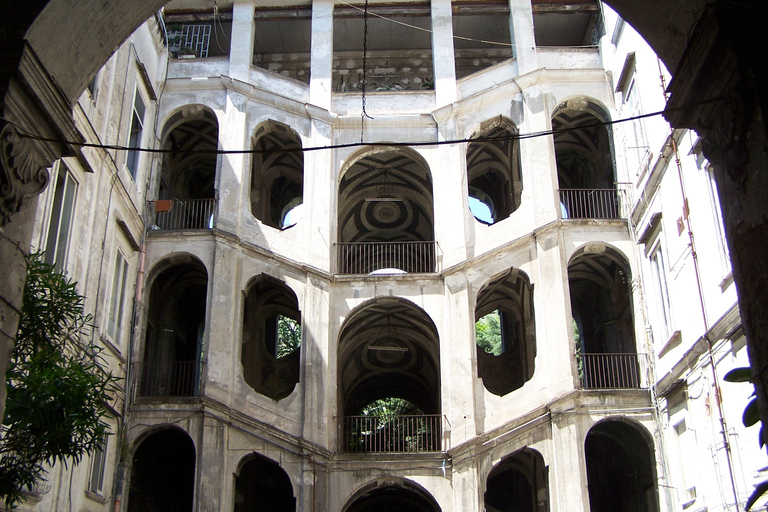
(58, 384)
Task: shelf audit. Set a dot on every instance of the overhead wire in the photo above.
(545, 133)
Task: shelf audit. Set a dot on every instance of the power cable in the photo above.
(26, 134)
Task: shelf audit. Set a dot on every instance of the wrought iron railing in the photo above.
(609, 371)
(167, 378)
(189, 214)
(392, 434)
(591, 203)
(367, 257)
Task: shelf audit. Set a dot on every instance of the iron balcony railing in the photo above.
(393, 434)
(167, 378)
(188, 214)
(591, 203)
(367, 257)
(609, 371)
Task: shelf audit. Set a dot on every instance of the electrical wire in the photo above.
(545, 133)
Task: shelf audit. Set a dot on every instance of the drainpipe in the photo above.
(697, 270)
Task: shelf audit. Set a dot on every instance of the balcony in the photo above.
(184, 215)
(585, 203)
(168, 379)
(393, 434)
(610, 371)
(368, 257)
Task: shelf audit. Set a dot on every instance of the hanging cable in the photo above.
(364, 114)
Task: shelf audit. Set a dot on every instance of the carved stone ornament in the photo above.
(22, 172)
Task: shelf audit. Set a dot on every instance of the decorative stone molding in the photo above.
(23, 172)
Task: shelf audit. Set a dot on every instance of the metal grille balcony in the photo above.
(367, 257)
(609, 371)
(590, 203)
(393, 434)
(168, 378)
(189, 214)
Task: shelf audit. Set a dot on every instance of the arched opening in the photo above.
(262, 485)
(186, 190)
(621, 468)
(402, 496)
(277, 175)
(519, 483)
(386, 216)
(271, 353)
(175, 337)
(389, 379)
(493, 171)
(163, 473)
(585, 167)
(600, 281)
(505, 332)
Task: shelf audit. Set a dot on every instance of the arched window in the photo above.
(262, 485)
(493, 171)
(505, 333)
(277, 175)
(518, 484)
(271, 338)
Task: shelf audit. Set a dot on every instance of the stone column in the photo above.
(242, 40)
(721, 91)
(321, 63)
(443, 59)
(521, 31)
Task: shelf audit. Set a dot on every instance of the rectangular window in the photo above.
(134, 139)
(636, 144)
(117, 300)
(190, 40)
(62, 214)
(661, 296)
(98, 465)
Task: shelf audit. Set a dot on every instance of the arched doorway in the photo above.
(389, 379)
(600, 282)
(584, 152)
(519, 483)
(621, 468)
(175, 332)
(388, 496)
(262, 485)
(163, 473)
(386, 214)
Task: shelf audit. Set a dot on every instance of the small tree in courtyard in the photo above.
(58, 385)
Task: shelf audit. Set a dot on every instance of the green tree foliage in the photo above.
(57, 382)
(391, 406)
(288, 336)
(488, 334)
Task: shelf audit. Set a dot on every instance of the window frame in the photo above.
(58, 235)
(663, 310)
(98, 467)
(133, 155)
(117, 292)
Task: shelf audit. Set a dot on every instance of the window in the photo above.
(117, 300)
(189, 39)
(635, 143)
(60, 224)
(134, 138)
(98, 465)
(661, 296)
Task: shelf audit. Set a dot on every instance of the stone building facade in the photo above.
(297, 254)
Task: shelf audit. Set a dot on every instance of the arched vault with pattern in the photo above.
(389, 348)
(493, 167)
(277, 173)
(191, 136)
(583, 145)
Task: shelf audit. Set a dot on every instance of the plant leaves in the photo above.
(760, 489)
(751, 415)
(741, 374)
